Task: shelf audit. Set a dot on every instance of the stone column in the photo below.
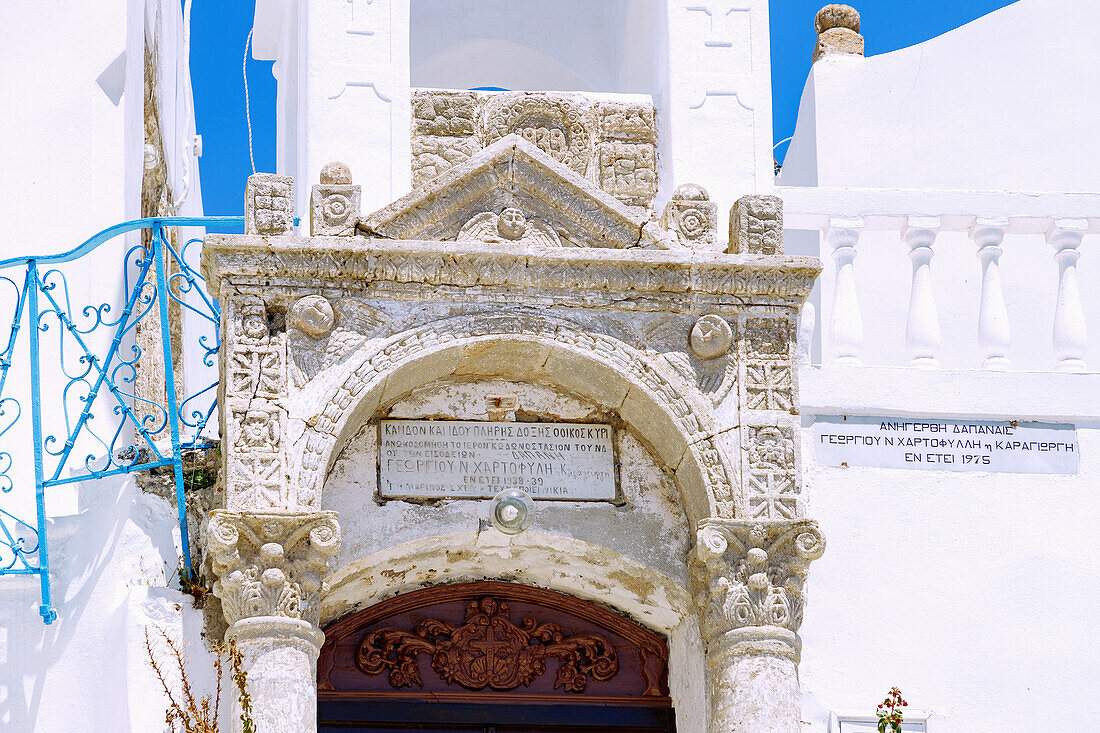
(749, 579)
(269, 566)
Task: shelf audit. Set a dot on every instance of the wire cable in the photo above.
(247, 108)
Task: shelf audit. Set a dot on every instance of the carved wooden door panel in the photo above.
(492, 656)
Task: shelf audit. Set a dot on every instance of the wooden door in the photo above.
(492, 657)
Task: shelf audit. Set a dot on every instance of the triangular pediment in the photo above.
(512, 192)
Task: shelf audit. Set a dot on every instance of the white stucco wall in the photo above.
(72, 166)
(969, 591)
(1004, 102)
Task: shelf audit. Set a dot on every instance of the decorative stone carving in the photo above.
(768, 371)
(756, 225)
(319, 334)
(711, 336)
(271, 564)
(511, 225)
(628, 171)
(772, 488)
(431, 155)
(488, 650)
(560, 125)
(259, 430)
(312, 315)
(837, 31)
(334, 204)
(752, 573)
(513, 172)
(627, 121)
(612, 143)
(269, 204)
(451, 114)
(691, 216)
(749, 581)
(255, 380)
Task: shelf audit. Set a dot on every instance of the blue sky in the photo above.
(219, 29)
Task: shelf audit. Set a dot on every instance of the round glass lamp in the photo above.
(512, 511)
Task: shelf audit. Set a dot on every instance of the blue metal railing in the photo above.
(93, 375)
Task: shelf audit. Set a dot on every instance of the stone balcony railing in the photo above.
(991, 281)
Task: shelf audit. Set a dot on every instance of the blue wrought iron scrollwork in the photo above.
(99, 383)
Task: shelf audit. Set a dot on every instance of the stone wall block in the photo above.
(269, 204)
(756, 225)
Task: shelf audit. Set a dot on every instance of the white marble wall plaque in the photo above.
(936, 444)
(425, 459)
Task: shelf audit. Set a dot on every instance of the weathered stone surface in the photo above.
(334, 204)
(444, 113)
(433, 154)
(837, 31)
(749, 589)
(756, 225)
(691, 216)
(271, 563)
(269, 204)
(610, 143)
(513, 173)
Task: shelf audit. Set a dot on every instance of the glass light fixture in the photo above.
(512, 511)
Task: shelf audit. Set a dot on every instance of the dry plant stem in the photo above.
(196, 716)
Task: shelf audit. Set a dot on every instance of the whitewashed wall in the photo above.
(969, 591)
(72, 166)
(345, 71)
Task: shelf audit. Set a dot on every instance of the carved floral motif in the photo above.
(488, 650)
(558, 124)
(752, 574)
(271, 564)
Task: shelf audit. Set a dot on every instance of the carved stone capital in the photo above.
(271, 563)
(749, 579)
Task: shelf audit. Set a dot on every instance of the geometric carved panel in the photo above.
(492, 641)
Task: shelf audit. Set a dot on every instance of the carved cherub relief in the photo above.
(320, 333)
(511, 225)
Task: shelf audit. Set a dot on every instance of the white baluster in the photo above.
(1069, 338)
(842, 235)
(922, 327)
(994, 334)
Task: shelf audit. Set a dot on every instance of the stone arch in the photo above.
(671, 417)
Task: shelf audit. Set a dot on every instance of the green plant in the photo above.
(200, 715)
(194, 584)
(889, 712)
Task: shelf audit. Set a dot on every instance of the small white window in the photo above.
(916, 721)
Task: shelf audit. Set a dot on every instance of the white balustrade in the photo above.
(922, 327)
(994, 334)
(842, 235)
(1069, 336)
(846, 216)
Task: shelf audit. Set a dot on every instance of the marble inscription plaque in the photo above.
(426, 459)
(938, 444)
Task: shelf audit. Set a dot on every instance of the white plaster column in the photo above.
(749, 592)
(922, 327)
(842, 234)
(269, 566)
(994, 334)
(1070, 338)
